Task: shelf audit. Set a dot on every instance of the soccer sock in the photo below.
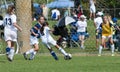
(62, 51)
(112, 48)
(11, 55)
(32, 55)
(100, 49)
(54, 55)
(8, 50)
(30, 51)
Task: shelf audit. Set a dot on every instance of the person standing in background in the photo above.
(92, 9)
(55, 14)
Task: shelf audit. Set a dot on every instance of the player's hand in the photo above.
(20, 29)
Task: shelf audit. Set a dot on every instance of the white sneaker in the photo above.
(99, 54)
(112, 54)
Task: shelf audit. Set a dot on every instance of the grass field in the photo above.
(82, 60)
(45, 63)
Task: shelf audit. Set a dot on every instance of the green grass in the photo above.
(45, 63)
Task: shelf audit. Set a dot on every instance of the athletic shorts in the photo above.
(33, 40)
(47, 42)
(92, 9)
(10, 35)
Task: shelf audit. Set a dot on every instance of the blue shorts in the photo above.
(81, 33)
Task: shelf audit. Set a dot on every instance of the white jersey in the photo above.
(91, 3)
(81, 26)
(47, 38)
(57, 13)
(10, 30)
(98, 21)
(9, 20)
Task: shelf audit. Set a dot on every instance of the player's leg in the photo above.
(112, 46)
(82, 41)
(51, 51)
(35, 50)
(101, 46)
(8, 49)
(11, 55)
(90, 13)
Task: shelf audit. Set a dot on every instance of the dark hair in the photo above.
(42, 28)
(1, 17)
(10, 9)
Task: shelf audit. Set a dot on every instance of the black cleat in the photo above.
(25, 56)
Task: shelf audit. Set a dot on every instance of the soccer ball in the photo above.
(68, 57)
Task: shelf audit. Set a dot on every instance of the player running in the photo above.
(10, 31)
(35, 34)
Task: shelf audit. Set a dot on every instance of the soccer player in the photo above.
(92, 8)
(35, 34)
(47, 40)
(106, 34)
(97, 22)
(10, 31)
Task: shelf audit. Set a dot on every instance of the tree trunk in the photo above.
(23, 11)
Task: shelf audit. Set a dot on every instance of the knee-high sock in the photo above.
(112, 48)
(100, 49)
(62, 51)
(11, 55)
(30, 51)
(54, 55)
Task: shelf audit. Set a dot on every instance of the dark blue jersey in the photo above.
(35, 31)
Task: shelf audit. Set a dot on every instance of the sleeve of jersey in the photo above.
(14, 19)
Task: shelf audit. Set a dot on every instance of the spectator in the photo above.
(66, 12)
(55, 14)
(92, 8)
(45, 11)
(38, 12)
(81, 29)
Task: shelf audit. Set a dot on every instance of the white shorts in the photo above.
(92, 9)
(33, 40)
(10, 35)
(47, 42)
(110, 36)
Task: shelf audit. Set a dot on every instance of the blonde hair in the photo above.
(10, 9)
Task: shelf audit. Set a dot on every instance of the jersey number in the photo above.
(8, 21)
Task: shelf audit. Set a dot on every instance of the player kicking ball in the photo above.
(47, 40)
(35, 34)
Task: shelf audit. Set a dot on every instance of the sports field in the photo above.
(82, 60)
(45, 63)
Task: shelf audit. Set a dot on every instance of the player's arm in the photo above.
(32, 32)
(17, 26)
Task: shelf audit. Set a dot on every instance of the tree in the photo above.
(23, 11)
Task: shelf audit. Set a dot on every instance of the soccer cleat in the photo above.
(25, 56)
(68, 57)
(32, 56)
(8, 57)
